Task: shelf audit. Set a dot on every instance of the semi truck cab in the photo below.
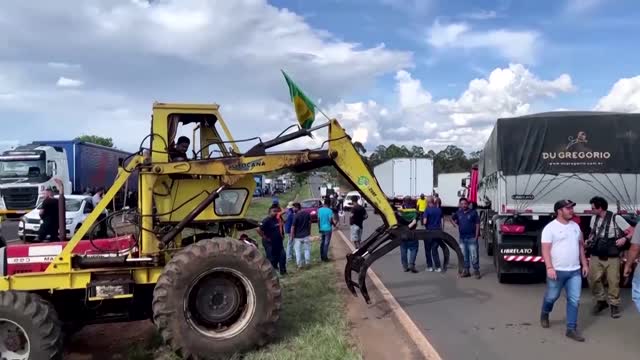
(25, 172)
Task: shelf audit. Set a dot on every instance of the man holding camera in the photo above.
(607, 240)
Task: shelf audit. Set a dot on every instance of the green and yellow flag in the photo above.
(305, 108)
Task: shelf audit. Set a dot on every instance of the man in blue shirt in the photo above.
(288, 222)
(432, 220)
(272, 240)
(468, 223)
(326, 221)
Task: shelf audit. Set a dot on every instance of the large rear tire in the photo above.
(29, 327)
(216, 298)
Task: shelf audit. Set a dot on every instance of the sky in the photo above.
(411, 72)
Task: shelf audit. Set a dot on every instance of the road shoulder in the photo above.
(374, 329)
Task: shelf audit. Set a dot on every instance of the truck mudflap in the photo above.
(520, 258)
(381, 242)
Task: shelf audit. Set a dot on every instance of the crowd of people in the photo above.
(568, 257)
(565, 251)
(294, 226)
(427, 212)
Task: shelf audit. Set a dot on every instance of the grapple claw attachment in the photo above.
(383, 241)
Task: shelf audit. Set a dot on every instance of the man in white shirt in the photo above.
(563, 253)
(606, 241)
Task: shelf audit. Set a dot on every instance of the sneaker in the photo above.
(599, 306)
(477, 274)
(439, 270)
(544, 321)
(615, 311)
(413, 270)
(465, 274)
(430, 269)
(406, 270)
(573, 335)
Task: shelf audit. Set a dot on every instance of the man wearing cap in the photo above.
(288, 222)
(563, 253)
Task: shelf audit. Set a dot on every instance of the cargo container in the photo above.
(29, 169)
(530, 162)
(403, 177)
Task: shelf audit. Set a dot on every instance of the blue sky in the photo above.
(446, 71)
(600, 35)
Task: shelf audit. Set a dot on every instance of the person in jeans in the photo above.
(301, 234)
(468, 223)
(288, 222)
(607, 239)
(326, 221)
(633, 254)
(432, 220)
(358, 216)
(409, 248)
(272, 240)
(563, 253)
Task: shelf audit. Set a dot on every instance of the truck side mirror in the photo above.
(51, 168)
(463, 183)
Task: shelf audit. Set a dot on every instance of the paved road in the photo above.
(482, 319)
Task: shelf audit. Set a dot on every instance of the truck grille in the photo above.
(20, 198)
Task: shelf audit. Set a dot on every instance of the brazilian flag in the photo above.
(305, 108)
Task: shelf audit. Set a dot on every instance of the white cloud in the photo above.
(581, 6)
(465, 121)
(67, 82)
(481, 15)
(513, 45)
(624, 96)
(129, 54)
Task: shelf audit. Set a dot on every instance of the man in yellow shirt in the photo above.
(421, 204)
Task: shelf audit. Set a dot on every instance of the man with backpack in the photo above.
(608, 238)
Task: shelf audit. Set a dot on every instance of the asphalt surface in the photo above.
(483, 319)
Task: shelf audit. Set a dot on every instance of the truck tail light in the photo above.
(511, 229)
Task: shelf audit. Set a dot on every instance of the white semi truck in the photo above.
(402, 177)
(450, 189)
(530, 162)
(27, 170)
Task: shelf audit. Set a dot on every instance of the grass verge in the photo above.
(313, 324)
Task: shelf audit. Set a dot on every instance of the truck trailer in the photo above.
(27, 170)
(402, 177)
(450, 189)
(530, 162)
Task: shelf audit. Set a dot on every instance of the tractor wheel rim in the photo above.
(220, 303)
(14, 341)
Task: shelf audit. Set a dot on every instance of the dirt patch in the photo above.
(374, 330)
(108, 341)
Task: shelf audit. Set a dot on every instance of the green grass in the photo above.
(313, 324)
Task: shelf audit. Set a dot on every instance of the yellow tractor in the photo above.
(184, 266)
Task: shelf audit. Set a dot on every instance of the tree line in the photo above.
(449, 160)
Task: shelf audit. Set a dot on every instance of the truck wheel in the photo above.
(488, 245)
(217, 297)
(29, 327)
(498, 262)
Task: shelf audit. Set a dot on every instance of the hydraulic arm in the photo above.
(345, 158)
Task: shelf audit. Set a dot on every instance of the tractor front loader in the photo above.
(183, 264)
